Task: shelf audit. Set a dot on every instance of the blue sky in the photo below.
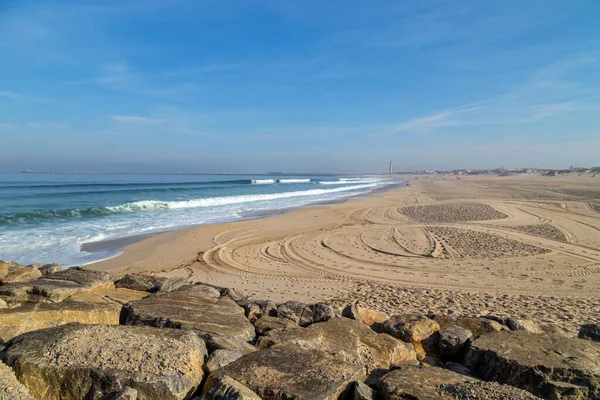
(298, 85)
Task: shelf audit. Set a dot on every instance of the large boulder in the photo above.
(268, 324)
(10, 387)
(98, 361)
(305, 314)
(351, 339)
(220, 358)
(288, 371)
(56, 287)
(229, 389)
(48, 269)
(171, 284)
(590, 332)
(365, 315)
(519, 324)
(31, 317)
(24, 274)
(538, 363)
(453, 342)
(219, 320)
(425, 383)
(410, 327)
(143, 283)
(478, 325)
(6, 267)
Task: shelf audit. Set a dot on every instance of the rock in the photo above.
(24, 274)
(424, 383)
(267, 324)
(127, 394)
(458, 368)
(551, 328)
(365, 315)
(88, 278)
(453, 342)
(229, 389)
(233, 294)
(31, 317)
(3, 304)
(410, 327)
(362, 392)
(142, 283)
(171, 284)
(527, 325)
(48, 269)
(443, 320)
(121, 295)
(197, 307)
(6, 267)
(98, 361)
(216, 342)
(353, 340)
(220, 358)
(288, 371)
(590, 332)
(10, 387)
(535, 362)
(484, 390)
(304, 314)
(255, 309)
(478, 325)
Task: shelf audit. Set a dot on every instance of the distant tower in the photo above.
(391, 168)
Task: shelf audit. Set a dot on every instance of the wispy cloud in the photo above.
(135, 119)
(24, 97)
(8, 126)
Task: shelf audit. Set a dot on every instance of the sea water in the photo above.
(46, 218)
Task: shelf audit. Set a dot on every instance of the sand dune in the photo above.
(524, 245)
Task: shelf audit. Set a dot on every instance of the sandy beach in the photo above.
(523, 245)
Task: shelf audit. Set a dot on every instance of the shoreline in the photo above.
(118, 245)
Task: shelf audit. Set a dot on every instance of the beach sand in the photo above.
(522, 246)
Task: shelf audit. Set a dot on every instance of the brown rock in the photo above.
(453, 342)
(220, 358)
(142, 283)
(174, 283)
(351, 339)
(229, 389)
(98, 361)
(425, 383)
(477, 325)
(3, 304)
(10, 387)
(31, 317)
(197, 307)
(410, 327)
(365, 315)
(362, 392)
(305, 314)
(288, 371)
(267, 324)
(48, 269)
(126, 394)
(24, 274)
(536, 362)
(87, 278)
(6, 267)
(527, 325)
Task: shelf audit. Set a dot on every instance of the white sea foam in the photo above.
(293, 180)
(262, 181)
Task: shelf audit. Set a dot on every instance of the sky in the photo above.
(255, 86)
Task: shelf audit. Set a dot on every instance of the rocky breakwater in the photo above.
(81, 334)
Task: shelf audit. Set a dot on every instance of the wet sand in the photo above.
(521, 246)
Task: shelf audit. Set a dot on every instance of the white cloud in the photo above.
(23, 97)
(135, 119)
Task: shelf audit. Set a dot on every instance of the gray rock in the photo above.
(216, 319)
(453, 342)
(536, 362)
(126, 394)
(31, 317)
(220, 358)
(590, 332)
(305, 314)
(352, 339)
(267, 324)
(478, 325)
(98, 361)
(143, 283)
(527, 325)
(229, 389)
(48, 269)
(425, 383)
(171, 284)
(362, 392)
(10, 387)
(288, 371)
(85, 277)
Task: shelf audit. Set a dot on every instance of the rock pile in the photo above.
(82, 334)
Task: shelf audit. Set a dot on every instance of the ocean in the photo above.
(46, 218)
